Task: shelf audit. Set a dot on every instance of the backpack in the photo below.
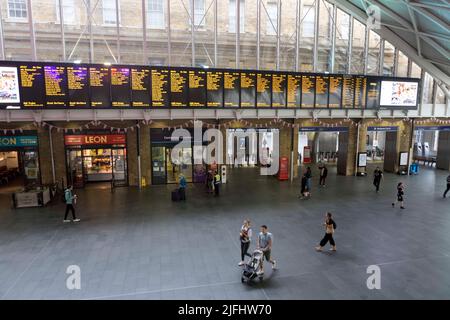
(63, 196)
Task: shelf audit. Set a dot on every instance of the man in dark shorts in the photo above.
(265, 245)
(377, 176)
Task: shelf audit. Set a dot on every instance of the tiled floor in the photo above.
(139, 245)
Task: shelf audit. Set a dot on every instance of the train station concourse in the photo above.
(224, 150)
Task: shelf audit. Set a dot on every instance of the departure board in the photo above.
(99, 83)
(197, 88)
(360, 92)
(55, 86)
(294, 92)
(32, 85)
(322, 88)
(278, 90)
(78, 86)
(179, 94)
(214, 88)
(348, 91)
(263, 90)
(120, 87)
(373, 93)
(140, 87)
(160, 87)
(308, 86)
(248, 89)
(335, 92)
(231, 87)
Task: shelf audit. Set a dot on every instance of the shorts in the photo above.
(400, 197)
(266, 254)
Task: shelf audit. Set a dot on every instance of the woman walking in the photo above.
(400, 195)
(245, 238)
(330, 226)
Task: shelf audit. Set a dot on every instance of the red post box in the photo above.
(283, 170)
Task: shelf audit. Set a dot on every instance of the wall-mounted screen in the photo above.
(9, 86)
(398, 93)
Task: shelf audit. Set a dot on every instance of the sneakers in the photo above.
(333, 249)
(393, 204)
(274, 265)
(65, 220)
(402, 207)
(318, 249)
(76, 220)
(241, 263)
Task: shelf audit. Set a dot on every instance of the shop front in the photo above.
(96, 157)
(168, 163)
(19, 160)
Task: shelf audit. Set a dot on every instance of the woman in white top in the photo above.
(245, 238)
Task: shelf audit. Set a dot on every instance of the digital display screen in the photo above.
(9, 86)
(360, 92)
(99, 84)
(120, 87)
(197, 88)
(322, 88)
(348, 92)
(55, 86)
(140, 87)
(308, 86)
(179, 94)
(231, 89)
(160, 87)
(278, 90)
(32, 85)
(294, 93)
(78, 86)
(214, 89)
(373, 93)
(335, 92)
(263, 90)
(248, 89)
(399, 93)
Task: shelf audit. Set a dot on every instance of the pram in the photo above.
(251, 268)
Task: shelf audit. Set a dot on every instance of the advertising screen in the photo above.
(399, 94)
(9, 86)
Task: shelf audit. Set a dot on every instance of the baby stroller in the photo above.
(251, 268)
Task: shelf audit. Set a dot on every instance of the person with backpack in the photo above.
(448, 186)
(245, 236)
(377, 176)
(330, 226)
(216, 184)
(70, 199)
(323, 173)
(400, 195)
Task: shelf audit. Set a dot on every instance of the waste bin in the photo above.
(414, 168)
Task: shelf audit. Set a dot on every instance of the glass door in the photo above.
(119, 167)
(158, 165)
(182, 164)
(75, 167)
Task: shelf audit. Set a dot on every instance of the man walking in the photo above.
(448, 186)
(70, 198)
(265, 240)
(323, 173)
(377, 176)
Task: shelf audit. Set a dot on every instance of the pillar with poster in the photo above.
(306, 154)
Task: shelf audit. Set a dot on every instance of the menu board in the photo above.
(179, 88)
(335, 92)
(373, 93)
(308, 85)
(9, 86)
(78, 86)
(214, 86)
(278, 90)
(140, 87)
(32, 86)
(120, 87)
(263, 90)
(231, 89)
(360, 92)
(197, 88)
(322, 88)
(99, 83)
(160, 87)
(294, 92)
(248, 89)
(55, 86)
(348, 91)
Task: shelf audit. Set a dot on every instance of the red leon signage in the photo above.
(94, 139)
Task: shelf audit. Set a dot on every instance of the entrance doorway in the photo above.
(166, 169)
(381, 147)
(18, 168)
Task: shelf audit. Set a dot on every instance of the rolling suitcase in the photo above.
(176, 195)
